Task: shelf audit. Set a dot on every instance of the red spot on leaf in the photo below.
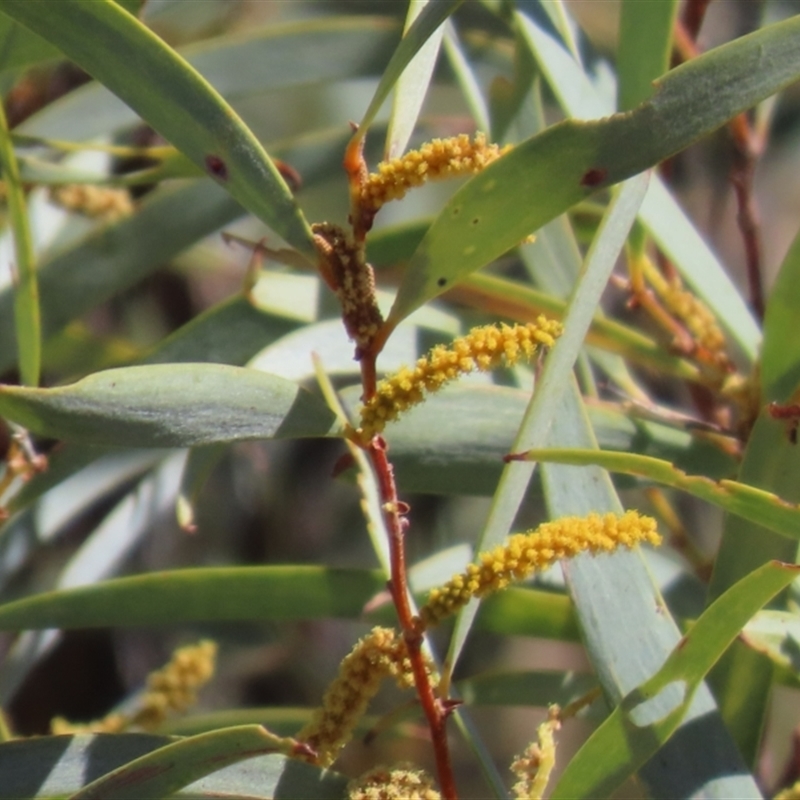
(594, 176)
(217, 167)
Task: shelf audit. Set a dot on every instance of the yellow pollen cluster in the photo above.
(440, 158)
(172, 688)
(688, 308)
(526, 553)
(97, 202)
(534, 766)
(792, 793)
(397, 783)
(380, 654)
(481, 349)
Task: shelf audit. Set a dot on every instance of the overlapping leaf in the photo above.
(175, 405)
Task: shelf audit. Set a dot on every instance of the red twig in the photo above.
(748, 149)
(748, 146)
(693, 14)
(435, 709)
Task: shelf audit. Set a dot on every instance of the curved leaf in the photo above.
(645, 44)
(225, 593)
(742, 499)
(637, 729)
(164, 771)
(547, 174)
(57, 766)
(422, 29)
(411, 86)
(238, 66)
(555, 380)
(169, 405)
(27, 316)
(158, 84)
(780, 357)
(629, 631)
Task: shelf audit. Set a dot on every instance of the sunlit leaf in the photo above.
(544, 176)
(57, 766)
(638, 727)
(742, 499)
(169, 405)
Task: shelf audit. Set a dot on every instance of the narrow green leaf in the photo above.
(169, 405)
(780, 356)
(190, 595)
(775, 634)
(629, 631)
(742, 682)
(166, 770)
(645, 47)
(168, 93)
(667, 223)
(742, 499)
(424, 26)
(555, 378)
(21, 48)
(199, 464)
(411, 86)
(466, 78)
(452, 427)
(58, 766)
(540, 688)
(27, 318)
(529, 612)
(279, 57)
(547, 174)
(637, 728)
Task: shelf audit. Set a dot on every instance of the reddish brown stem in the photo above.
(749, 146)
(435, 710)
(742, 172)
(694, 13)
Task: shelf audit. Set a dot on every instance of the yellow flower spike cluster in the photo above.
(172, 688)
(97, 202)
(397, 783)
(380, 654)
(688, 308)
(534, 766)
(481, 349)
(440, 158)
(526, 553)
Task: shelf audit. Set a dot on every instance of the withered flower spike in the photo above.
(353, 280)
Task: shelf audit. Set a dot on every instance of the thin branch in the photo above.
(436, 710)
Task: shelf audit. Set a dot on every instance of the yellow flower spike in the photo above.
(97, 202)
(481, 349)
(174, 687)
(526, 553)
(380, 654)
(689, 308)
(792, 793)
(171, 688)
(440, 158)
(397, 783)
(534, 766)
